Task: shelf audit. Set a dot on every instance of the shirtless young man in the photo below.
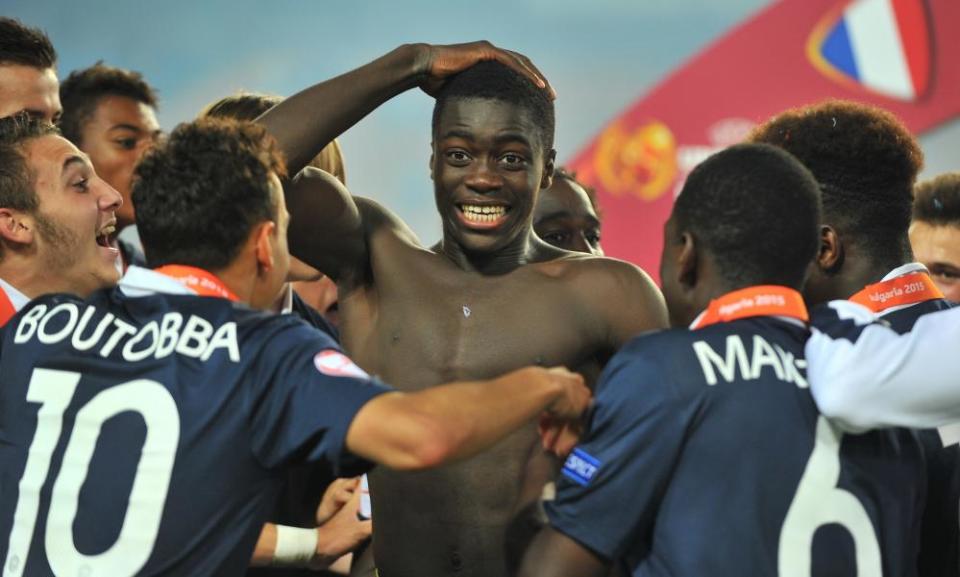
(492, 296)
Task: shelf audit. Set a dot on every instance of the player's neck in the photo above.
(33, 280)
(519, 252)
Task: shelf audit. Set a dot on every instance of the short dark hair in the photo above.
(937, 200)
(866, 163)
(199, 194)
(82, 90)
(241, 106)
(16, 179)
(17, 189)
(492, 80)
(21, 44)
(756, 209)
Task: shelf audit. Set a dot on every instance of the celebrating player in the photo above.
(705, 453)
(492, 297)
(145, 429)
(56, 215)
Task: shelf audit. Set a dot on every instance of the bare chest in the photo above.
(434, 330)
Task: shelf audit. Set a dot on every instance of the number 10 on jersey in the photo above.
(54, 390)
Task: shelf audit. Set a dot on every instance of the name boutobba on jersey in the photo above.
(706, 455)
(147, 435)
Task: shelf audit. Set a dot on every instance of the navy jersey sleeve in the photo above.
(302, 412)
(610, 485)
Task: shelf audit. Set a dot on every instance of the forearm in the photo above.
(450, 422)
(883, 379)
(266, 544)
(307, 121)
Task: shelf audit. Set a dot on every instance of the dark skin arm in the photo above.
(307, 121)
(553, 554)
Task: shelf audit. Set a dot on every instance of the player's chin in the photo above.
(107, 275)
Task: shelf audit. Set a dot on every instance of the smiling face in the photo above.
(565, 218)
(32, 90)
(75, 216)
(488, 165)
(116, 136)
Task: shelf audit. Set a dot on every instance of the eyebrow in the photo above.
(512, 137)
(458, 134)
(126, 127)
(72, 160)
(499, 139)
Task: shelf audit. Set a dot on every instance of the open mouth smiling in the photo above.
(482, 215)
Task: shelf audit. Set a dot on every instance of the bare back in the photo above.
(423, 322)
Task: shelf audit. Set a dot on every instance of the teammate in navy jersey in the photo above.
(866, 163)
(145, 430)
(705, 453)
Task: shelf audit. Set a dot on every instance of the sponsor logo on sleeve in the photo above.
(336, 364)
(580, 467)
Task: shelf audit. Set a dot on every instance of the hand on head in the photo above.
(441, 62)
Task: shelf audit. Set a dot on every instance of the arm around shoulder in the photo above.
(874, 377)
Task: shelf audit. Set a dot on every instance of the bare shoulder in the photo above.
(609, 276)
(619, 292)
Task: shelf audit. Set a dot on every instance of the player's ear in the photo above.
(265, 236)
(548, 167)
(432, 156)
(830, 255)
(16, 227)
(687, 261)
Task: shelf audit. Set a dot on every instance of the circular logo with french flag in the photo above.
(336, 364)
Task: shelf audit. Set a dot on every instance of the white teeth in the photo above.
(483, 213)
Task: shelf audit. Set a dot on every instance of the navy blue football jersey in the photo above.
(148, 435)
(940, 533)
(705, 455)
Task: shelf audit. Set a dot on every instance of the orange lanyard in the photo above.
(204, 283)
(755, 301)
(7, 310)
(908, 289)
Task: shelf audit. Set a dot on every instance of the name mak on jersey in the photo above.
(749, 365)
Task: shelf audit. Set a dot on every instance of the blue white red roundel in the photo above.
(337, 364)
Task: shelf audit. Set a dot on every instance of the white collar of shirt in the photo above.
(17, 298)
(141, 282)
(905, 269)
(287, 307)
(901, 270)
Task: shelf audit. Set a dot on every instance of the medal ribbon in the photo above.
(204, 283)
(908, 289)
(755, 301)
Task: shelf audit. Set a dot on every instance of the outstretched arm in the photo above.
(863, 375)
(446, 423)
